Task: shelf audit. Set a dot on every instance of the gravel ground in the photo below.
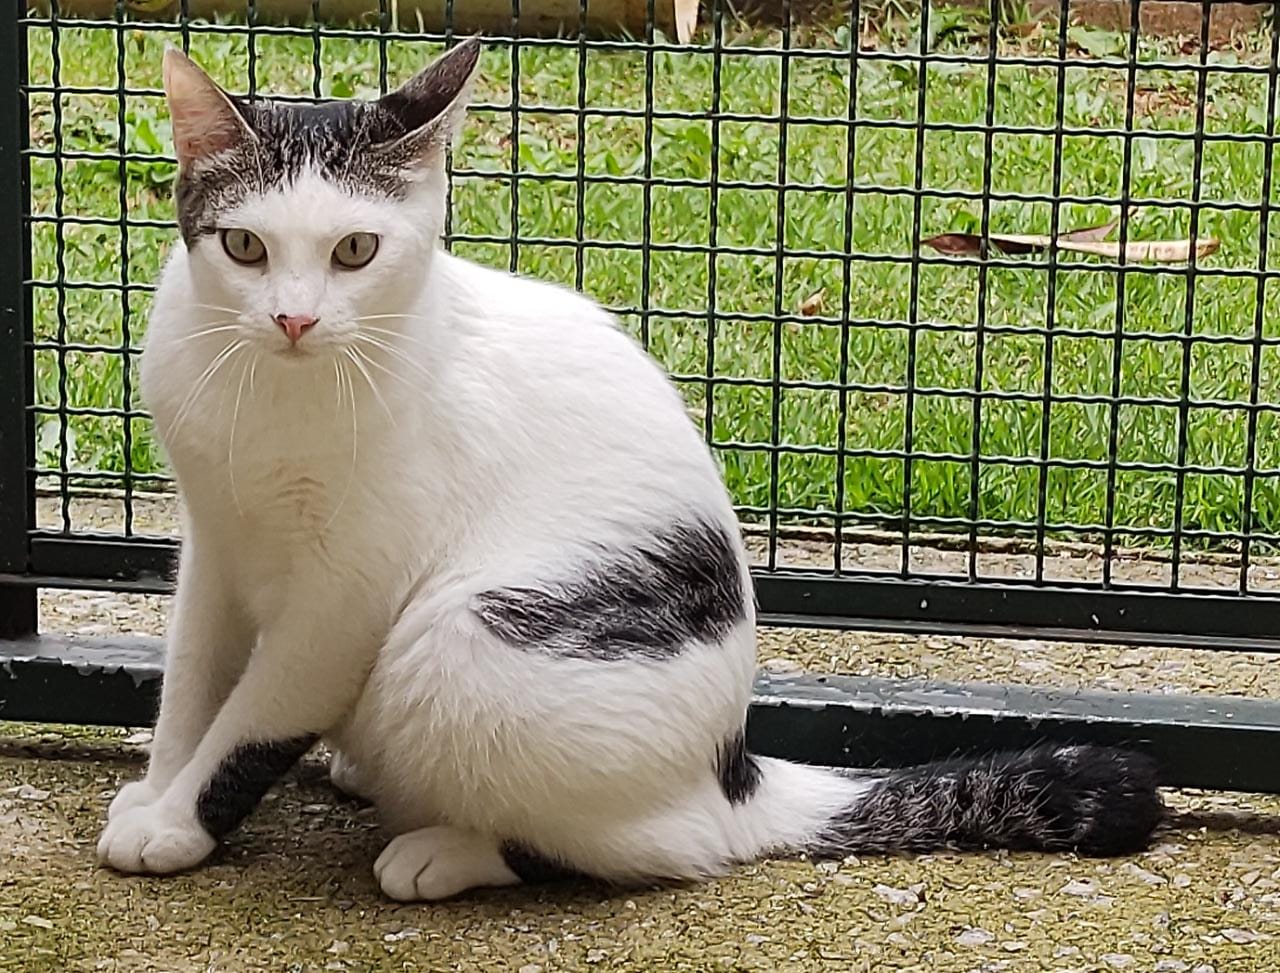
(294, 891)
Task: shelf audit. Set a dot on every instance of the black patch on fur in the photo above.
(242, 778)
(737, 770)
(1090, 799)
(681, 584)
(357, 144)
(535, 868)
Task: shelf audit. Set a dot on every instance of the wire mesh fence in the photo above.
(805, 223)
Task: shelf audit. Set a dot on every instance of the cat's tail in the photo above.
(1089, 799)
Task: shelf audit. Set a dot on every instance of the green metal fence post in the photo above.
(17, 510)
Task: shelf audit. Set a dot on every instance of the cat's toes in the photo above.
(153, 839)
(139, 793)
(435, 863)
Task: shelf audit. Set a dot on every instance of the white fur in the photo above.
(341, 516)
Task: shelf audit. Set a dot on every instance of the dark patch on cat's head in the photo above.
(229, 148)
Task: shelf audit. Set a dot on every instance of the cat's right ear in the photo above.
(430, 106)
(205, 121)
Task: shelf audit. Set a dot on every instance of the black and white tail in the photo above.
(1088, 799)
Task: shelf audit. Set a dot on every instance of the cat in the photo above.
(458, 525)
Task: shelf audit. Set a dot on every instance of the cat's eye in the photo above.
(244, 247)
(355, 250)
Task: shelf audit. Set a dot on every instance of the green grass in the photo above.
(880, 294)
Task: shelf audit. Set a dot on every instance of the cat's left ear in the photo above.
(431, 105)
(206, 120)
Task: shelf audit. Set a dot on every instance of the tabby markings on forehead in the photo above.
(349, 143)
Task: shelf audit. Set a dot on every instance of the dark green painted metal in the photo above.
(1199, 741)
(66, 679)
(17, 604)
(837, 721)
(1188, 619)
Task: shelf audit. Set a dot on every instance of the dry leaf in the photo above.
(812, 305)
(1090, 240)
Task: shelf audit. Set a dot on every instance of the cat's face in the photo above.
(305, 223)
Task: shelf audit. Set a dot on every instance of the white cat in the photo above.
(459, 525)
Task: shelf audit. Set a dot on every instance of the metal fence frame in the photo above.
(1202, 742)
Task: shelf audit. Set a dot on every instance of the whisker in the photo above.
(231, 443)
(356, 359)
(368, 360)
(395, 353)
(383, 335)
(205, 377)
(216, 307)
(398, 335)
(221, 327)
(355, 439)
(383, 317)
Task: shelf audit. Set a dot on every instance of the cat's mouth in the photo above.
(295, 352)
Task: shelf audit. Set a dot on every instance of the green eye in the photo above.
(244, 247)
(355, 250)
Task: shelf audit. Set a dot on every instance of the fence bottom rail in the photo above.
(1199, 741)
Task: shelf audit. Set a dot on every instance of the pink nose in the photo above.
(294, 324)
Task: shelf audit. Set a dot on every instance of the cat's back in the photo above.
(543, 336)
(552, 375)
(528, 311)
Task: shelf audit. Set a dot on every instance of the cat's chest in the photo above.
(293, 497)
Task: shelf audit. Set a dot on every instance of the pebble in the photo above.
(974, 937)
(1241, 936)
(1151, 878)
(1083, 889)
(780, 666)
(395, 937)
(909, 896)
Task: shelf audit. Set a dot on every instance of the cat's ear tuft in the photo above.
(431, 105)
(205, 121)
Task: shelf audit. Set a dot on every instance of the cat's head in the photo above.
(305, 218)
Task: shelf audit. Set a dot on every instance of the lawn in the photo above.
(808, 348)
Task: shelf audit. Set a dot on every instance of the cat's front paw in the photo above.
(155, 839)
(140, 793)
(435, 863)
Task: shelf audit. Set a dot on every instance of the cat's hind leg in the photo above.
(439, 862)
(346, 778)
